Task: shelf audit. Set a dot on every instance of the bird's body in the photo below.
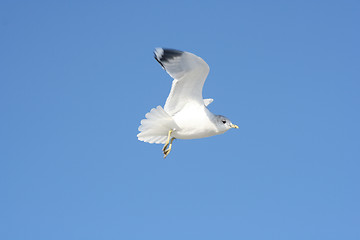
(195, 121)
(185, 114)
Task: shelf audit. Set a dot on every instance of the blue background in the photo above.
(77, 77)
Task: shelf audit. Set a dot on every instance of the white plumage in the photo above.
(185, 114)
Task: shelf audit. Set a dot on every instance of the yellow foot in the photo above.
(166, 151)
(167, 141)
(165, 146)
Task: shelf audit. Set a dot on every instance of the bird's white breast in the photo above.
(195, 121)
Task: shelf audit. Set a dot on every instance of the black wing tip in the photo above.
(165, 54)
(159, 62)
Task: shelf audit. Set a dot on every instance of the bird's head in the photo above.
(223, 123)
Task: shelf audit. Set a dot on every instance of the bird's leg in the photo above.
(167, 151)
(167, 141)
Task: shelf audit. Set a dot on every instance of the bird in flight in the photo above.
(185, 114)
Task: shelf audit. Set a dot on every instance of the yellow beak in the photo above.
(234, 126)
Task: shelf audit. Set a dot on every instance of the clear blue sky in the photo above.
(77, 77)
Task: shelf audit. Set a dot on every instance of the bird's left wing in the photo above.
(189, 72)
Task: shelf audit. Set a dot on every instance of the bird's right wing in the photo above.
(189, 72)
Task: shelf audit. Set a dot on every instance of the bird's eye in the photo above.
(223, 121)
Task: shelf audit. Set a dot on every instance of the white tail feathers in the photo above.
(156, 126)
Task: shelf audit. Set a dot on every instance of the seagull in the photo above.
(185, 114)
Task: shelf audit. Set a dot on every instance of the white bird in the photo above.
(185, 114)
